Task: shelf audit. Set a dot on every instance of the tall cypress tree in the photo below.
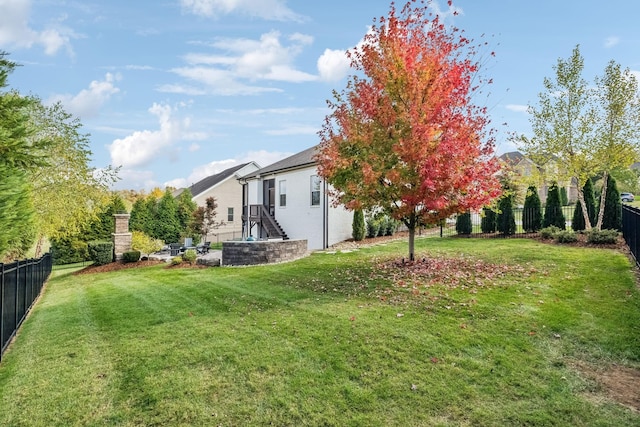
(506, 221)
(577, 223)
(488, 221)
(358, 225)
(564, 199)
(167, 224)
(463, 223)
(532, 212)
(553, 211)
(612, 219)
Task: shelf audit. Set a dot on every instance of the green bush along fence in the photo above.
(20, 285)
(448, 228)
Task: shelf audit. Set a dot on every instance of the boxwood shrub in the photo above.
(100, 252)
(602, 236)
(131, 256)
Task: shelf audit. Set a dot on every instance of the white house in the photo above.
(227, 191)
(289, 200)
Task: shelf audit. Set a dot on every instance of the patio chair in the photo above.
(204, 248)
(175, 248)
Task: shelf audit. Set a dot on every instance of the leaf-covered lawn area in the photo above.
(478, 332)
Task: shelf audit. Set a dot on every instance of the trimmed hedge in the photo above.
(131, 256)
(100, 252)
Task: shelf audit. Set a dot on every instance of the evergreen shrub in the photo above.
(566, 236)
(488, 221)
(463, 223)
(602, 236)
(549, 232)
(532, 211)
(358, 226)
(100, 252)
(553, 211)
(131, 256)
(506, 221)
(373, 227)
(68, 251)
(577, 222)
(190, 256)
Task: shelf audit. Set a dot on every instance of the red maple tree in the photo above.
(404, 136)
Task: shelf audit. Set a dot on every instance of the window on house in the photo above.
(283, 193)
(315, 190)
(229, 214)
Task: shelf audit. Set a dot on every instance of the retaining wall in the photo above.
(262, 251)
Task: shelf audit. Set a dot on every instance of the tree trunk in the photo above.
(603, 198)
(583, 204)
(38, 250)
(411, 225)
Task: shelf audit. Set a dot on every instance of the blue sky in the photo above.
(176, 90)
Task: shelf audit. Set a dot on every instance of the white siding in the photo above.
(321, 225)
(299, 219)
(340, 224)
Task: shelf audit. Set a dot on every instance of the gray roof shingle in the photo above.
(208, 182)
(301, 159)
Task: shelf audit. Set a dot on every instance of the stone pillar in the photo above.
(121, 236)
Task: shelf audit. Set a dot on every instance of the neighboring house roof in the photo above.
(212, 180)
(301, 159)
(512, 158)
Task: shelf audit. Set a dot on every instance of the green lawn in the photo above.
(486, 332)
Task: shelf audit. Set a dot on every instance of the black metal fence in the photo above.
(20, 285)
(448, 229)
(631, 229)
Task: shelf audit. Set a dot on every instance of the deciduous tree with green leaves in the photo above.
(587, 130)
(406, 137)
(618, 129)
(67, 190)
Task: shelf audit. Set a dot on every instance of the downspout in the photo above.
(325, 217)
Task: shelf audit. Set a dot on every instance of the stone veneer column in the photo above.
(121, 236)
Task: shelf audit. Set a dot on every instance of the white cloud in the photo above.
(87, 102)
(261, 157)
(240, 64)
(273, 10)
(141, 147)
(333, 65)
(611, 41)
(517, 108)
(443, 14)
(16, 31)
(132, 178)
